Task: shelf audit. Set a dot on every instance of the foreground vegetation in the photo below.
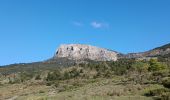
(125, 79)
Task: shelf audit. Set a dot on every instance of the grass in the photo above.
(150, 87)
(94, 89)
(97, 81)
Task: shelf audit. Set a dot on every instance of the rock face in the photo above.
(80, 52)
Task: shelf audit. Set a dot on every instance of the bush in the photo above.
(156, 66)
(108, 74)
(1, 84)
(56, 75)
(26, 76)
(66, 75)
(122, 66)
(115, 93)
(61, 89)
(74, 73)
(157, 92)
(166, 82)
(49, 83)
(81, 70)
(165, 96)
(41, 91)
(162, 73)
(56, 84)
(38, 77)
(140, 66)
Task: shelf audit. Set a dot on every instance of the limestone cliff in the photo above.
(80, 52)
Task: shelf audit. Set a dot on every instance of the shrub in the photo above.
(156, 66)
(41, 91)
(157, 92)
(49, 83)
(37, 77)
(108, 74)
(56, 84)
(26, 76)
(61, 89)
(115, 93)
(162, 73)
(1, 84)
(121, 66)
(140, 66)
(56, 75)
(66, 75)
(166, 82)
(165, 96)
(74, 73)
(81, 70)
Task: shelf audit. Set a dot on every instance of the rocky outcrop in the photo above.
(83, 52)
(80, 52)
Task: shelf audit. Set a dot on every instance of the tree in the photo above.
(56, 75)
(140, 66)
(155, 65)
(25, 76)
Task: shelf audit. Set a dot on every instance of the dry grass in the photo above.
(77, 89)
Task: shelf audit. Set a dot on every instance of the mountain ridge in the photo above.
(158, 51)
(162, 51)
(81, 51)
(73, 51)
(57, 62)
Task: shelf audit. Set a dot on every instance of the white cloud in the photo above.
(99, 24)
(94, 24)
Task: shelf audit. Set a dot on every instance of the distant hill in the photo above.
(159, 51)
(164, 47)
(37, 66)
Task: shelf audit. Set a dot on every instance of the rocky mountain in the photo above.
(159, 51)
(80, 52)
(71, 54)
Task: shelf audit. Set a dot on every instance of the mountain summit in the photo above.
(80, 52)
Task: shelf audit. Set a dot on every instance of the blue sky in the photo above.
(31, 30)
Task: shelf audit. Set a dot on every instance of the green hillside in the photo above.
(121, 80)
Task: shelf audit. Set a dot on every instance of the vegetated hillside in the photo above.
(159, 51)
(62, 78)
(36, 66)
(122, 79)
(164, 47)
